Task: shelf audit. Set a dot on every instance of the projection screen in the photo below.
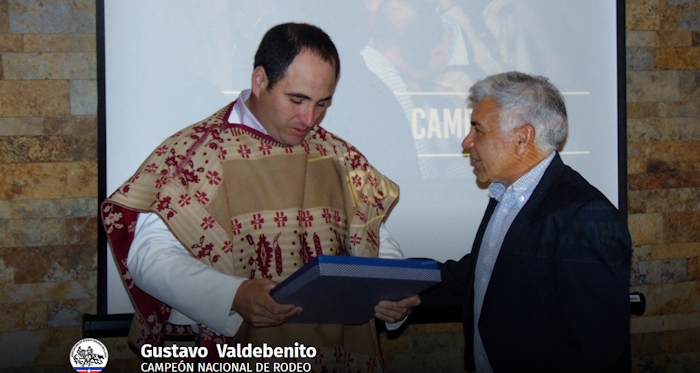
(406, 67)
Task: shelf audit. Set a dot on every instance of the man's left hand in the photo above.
(392, 312)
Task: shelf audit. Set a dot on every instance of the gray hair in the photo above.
(525, 99)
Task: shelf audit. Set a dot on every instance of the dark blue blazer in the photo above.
(558, 300)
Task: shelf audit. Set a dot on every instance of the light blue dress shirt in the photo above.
(510, 200)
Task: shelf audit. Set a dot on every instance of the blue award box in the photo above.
(344, 289)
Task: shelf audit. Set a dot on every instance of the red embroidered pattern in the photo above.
(184, 200)
(208, 223)
(305, 218)
(236, 227)
(280, 219)
(213, 177)
(327, 216)
(244, 151)
(162, 204)
(201, 197)
(264, 251)
(266, 149)
(355, 239)
(257, 221)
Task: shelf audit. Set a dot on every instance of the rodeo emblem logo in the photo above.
(89, 356)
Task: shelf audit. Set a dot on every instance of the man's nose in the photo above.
(468, 141)
(307, 116)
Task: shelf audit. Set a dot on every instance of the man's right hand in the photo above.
(254, 303)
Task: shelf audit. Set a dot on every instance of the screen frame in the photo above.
(102, 243)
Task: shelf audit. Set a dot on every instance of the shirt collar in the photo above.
(241, 114)
(518, 193)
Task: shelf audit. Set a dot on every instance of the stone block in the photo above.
(685, 362)
(675, 39)
(682, 341)
(675, 250)
(52, 17)
(642, 15)
(639, 110)
(694, 268)
(664, 200)
(670, 299)
(430, 353)
(51, 263)
(689, 89)
(641, 38)
(646, 86)
(640, 58)
(46, 291)
(69, 312)
(4, 17)
(31, 98)
(40, 149)
(30, 66)
(48, 180)
(681, 58)
(83, 97)
(664, 323)
(649, 364)
(646, 344)
(681, 227)
(636, 158)
(48, 208)
(663, 129)
(658, 272)
(7, 274)
(645, 229)
(640, 253)
(24, 316)
(31, 232)
(680, 15)
(25, 344)
(20, 126)
(80, 229)
(664, 180)
(70, 125)
(660, 351)
(683, 109)
(59, 43)
(677, 156)
(11, 43)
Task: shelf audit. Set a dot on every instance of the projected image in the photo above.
(429, 53)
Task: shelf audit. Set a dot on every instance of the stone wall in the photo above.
(48, 190)
(48, 178)
(663, 102)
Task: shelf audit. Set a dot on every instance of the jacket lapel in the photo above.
(520, 227)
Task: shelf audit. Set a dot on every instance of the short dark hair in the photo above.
(282, 43)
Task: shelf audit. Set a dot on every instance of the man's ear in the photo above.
(525, 137)
(259, 81)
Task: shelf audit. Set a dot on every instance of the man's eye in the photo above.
(298, 102)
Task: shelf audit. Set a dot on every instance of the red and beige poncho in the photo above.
(249, 206)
